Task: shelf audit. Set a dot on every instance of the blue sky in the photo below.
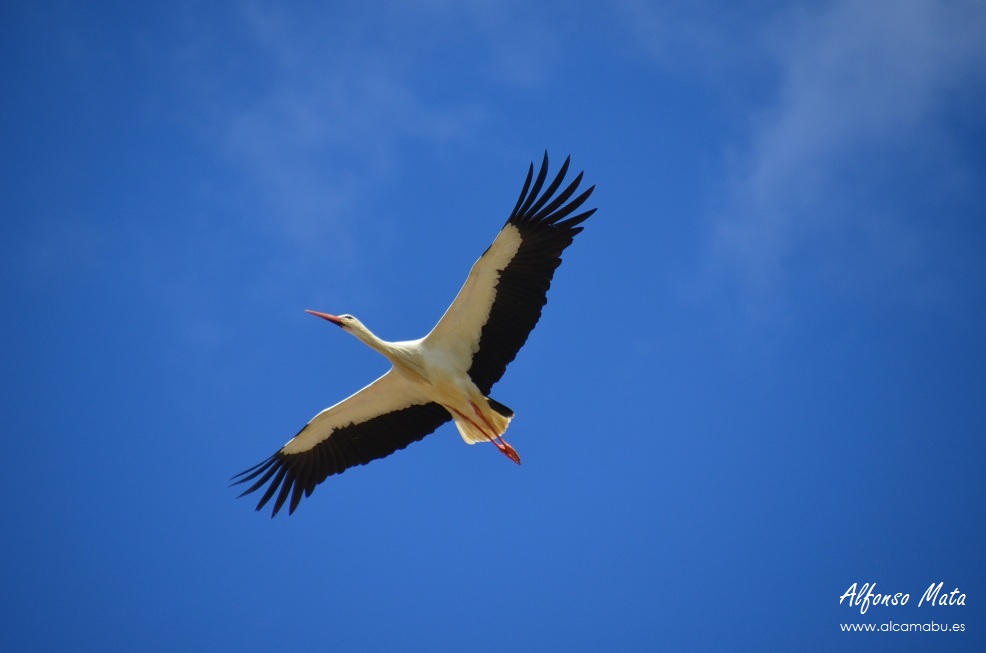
(760, 377)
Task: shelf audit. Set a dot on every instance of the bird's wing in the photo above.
(501, 301)
(383, 417)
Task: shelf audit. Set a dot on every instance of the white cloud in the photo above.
(343, 95)
(331, 122)
(713, 38)
(863, 96)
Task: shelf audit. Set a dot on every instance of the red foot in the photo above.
(509, 452)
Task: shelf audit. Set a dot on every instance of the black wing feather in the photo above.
(296, 475)
(521, 290)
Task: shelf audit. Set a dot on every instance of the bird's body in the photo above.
(448, 373)
(427, 371)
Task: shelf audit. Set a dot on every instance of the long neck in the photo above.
(398, 355)
(371, 340)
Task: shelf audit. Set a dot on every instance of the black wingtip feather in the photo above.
(551, 209)
(542, 173)
(274, 484)
(253, 471)
(263, 479)
(550, 190)
(523, 191)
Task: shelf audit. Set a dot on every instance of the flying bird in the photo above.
(448, 374)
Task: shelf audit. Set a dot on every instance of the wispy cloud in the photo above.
(711, 38)
(342, 95)
(330, 122)
(314, 147)
(298, 120)
(861, 108)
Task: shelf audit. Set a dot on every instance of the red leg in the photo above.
(504, 448)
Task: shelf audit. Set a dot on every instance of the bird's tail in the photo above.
(498, 417)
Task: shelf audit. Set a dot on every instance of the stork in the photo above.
(448, 374)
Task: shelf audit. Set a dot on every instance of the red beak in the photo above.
(325, 316)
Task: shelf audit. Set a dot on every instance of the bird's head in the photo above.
(346, 321)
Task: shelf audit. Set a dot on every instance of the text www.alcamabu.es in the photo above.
(936, 597)
(893, 627)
